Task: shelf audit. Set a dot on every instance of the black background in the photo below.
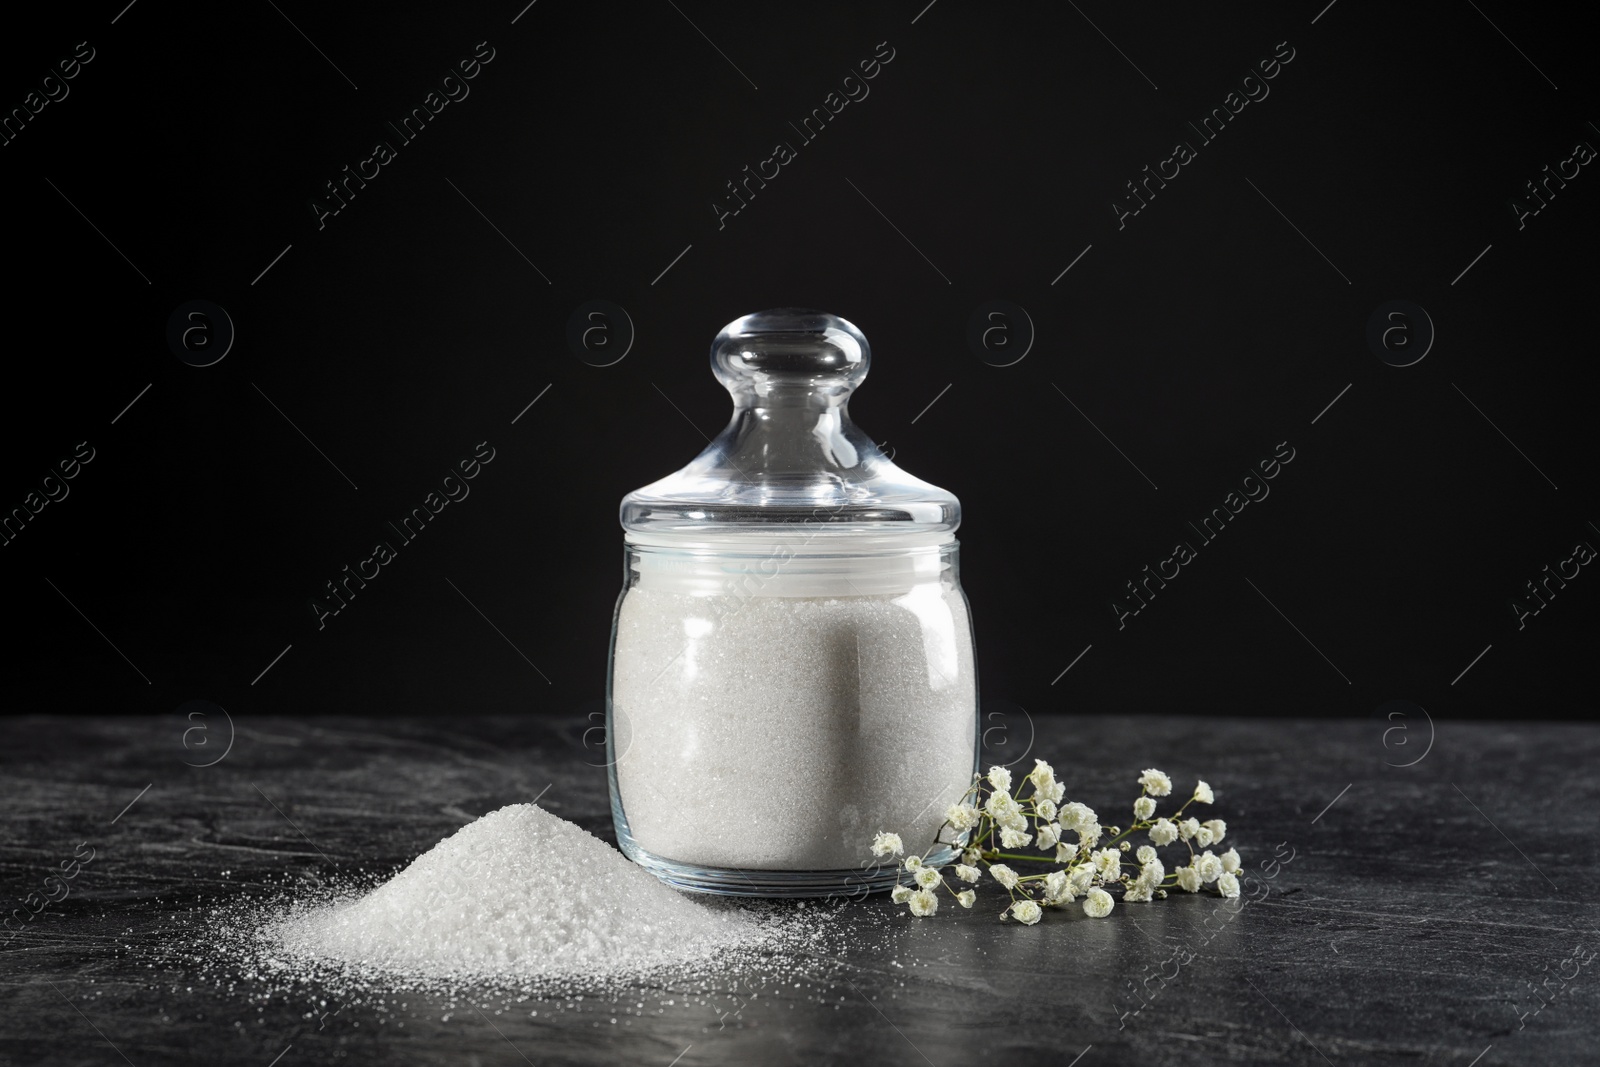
(407, 330)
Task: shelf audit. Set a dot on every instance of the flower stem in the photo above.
(1135, 828)
(1015, 856)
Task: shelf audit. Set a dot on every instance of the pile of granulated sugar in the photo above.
(518, 894)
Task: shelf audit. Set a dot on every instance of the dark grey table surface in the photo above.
(1437, 913)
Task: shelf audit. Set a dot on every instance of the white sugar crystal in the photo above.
(517, 893)
(783, 732)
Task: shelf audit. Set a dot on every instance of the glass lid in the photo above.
(790, 456)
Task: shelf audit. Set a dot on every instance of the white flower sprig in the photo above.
(989, 823)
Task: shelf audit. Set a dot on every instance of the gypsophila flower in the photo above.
(1155, 783)
(1098, 904)
(1228, 884)
(1043, 777)
(884, 844)
(968, 874)
(1089, 836)
(1081, 876)
(1202, 836)
(966, 897)
(927, 877)
(901, 894)
(970, 857)
(1144, 807)
(924, 903)
(1004, 875)
(1010, 838)
(1138, 893)
(1000, 778)
(1066, 853)
(1046, 809)
(1049, 835)
(1230, 861)
(1218, 828)
(1209, 866)
(1151, 873)
(1058, 888)
(962, 816)
(1108, 862)
(913, 862)
(1001, 806)
(1188, 828)
(1203, 794)
(1146, 854)
(1163, 832)
(1058, 791)
(1188, 879)
(1074, 815)
(1026, 912)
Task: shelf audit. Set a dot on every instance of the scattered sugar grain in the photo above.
(342, 950)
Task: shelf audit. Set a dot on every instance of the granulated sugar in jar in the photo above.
(792, 662)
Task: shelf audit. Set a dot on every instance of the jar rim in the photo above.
(792, 541)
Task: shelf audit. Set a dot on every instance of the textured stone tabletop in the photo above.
(1437, 913)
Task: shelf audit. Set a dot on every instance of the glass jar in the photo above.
(792, 666)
